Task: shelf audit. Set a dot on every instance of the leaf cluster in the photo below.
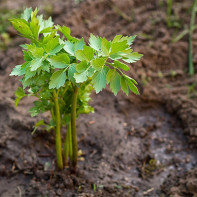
(55, 60)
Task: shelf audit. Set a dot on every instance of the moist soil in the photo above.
(131, 146)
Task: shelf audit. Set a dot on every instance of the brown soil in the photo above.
(132, 146)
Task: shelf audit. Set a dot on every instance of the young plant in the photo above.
(61, 71)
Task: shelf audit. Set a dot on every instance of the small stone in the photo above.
(59, 192)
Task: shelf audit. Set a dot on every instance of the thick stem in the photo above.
(68, 145)
(70, 141)
(66, 148)
(58, 132)
(73, 129)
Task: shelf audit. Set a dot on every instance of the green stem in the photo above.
(73, 129)
(58, 132)
(192, 22)
(169, 13)
(68, 145)
(70, 141)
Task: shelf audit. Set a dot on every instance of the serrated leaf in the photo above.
(34, 26)
(51, 44)
(82, 66)
(131, 39)
(118, 46)
(16, 71)
(22, 27)
(116, 56)
(120, 65)
(66, 32)
(117, 38)
(133, 57)
(36, 63)
(79, 45)
(115, 82)
(27, 55)
(57, 79)
(109, 75)
(133, 80)
(81, 77)
(132, 87)
(99, 79)
(37, 52)
(29, 74)
(57, 49)
(46, 26)
(59, 61)
(105, 47)
(69, 47)
(19, 93)
(71, 72)
(95, 42)
(86, 54)
(124, 86)
(98, 63)
(26, 14)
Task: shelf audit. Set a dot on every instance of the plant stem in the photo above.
(169, 22)
(58, 132)
(70, 142)
(192, 22)
(73, 129)
(68, 145)
(66, 148)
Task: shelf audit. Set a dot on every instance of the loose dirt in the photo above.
(132, 146)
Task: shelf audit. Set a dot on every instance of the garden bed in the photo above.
(131, 146)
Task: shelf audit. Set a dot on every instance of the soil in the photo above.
(132, 146)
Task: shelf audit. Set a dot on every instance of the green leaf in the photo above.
(95, 42)
(81, 77)
(16, 71)
(99, 79)
(120, 65)
(36, 63)
(27, 55)
(56, 49)
(66, 32)
(69, 47)
(59, 61)
(26, 14)
(51, 44)
(71, 72)
(34, 26)
(86, 54)
(124, 86)
(117, 38)
(22, 27)
(39, 123)
(19, 93)
(105, 47)
(133, 57)
(37, 52)
(131, 85)
(46, 26)
(98, 63)
(82, 66)
(79, 45)
(57, 79)
(131, 39)
(29, 74)
(114, 78)
(118, 46)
